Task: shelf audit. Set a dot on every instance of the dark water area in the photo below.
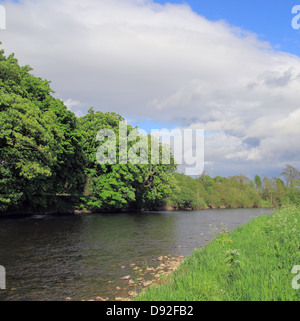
(82, 257)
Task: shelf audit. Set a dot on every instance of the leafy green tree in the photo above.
(280, 193)
(206, 180)
(292, 177)
(240, 180)
(268, 190)
(258, 183)
(107, 186)
(40, 148)
(117, 185)
(190, 193)
(28, 149)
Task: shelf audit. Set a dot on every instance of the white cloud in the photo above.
(166, 63)
(70, 103)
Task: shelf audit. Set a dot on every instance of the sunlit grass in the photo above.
(252, 263)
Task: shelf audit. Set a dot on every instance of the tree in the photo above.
(121, 186)
(189, 194)
(268, 190)
(291, 175)
(40, 143)
(28, 149)
(206, 180)
(279, 191)
(241, 179)
(258, 183)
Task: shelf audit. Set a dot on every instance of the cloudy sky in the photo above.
(229, 67)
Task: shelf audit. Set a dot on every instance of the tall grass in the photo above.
(252, 263)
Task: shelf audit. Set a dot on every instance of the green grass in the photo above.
(252, 263)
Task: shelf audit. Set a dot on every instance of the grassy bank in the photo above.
(254, 262)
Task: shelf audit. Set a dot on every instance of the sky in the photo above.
(229, 67)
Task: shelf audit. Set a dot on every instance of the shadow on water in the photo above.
(51, 258)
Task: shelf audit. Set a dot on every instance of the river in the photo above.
(84, 257)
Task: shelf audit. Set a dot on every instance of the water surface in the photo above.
(82, 257)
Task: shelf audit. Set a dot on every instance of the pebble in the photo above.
(150, 269)
(167, 265)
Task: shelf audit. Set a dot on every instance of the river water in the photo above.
(83, 257)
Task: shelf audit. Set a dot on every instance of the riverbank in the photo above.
(68, 211)
(141, 277)
(252, 263)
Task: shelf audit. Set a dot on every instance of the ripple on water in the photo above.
(85, 257)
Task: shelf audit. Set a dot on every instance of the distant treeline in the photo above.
(236, 191)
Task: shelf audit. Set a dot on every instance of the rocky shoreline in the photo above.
(142, 277)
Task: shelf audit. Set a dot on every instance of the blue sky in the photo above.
(230, 67)
(269, 19)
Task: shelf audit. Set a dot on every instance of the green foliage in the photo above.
(28, 148)
(234, 192)
(292, 177)
(188, 195)
(276, 193)
(258, 183)
(47, 153)
(121, 186)
(205, 192)
(40, 149)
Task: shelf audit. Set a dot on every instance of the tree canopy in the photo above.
(119, 186)
(40, 154)
(47, 152)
